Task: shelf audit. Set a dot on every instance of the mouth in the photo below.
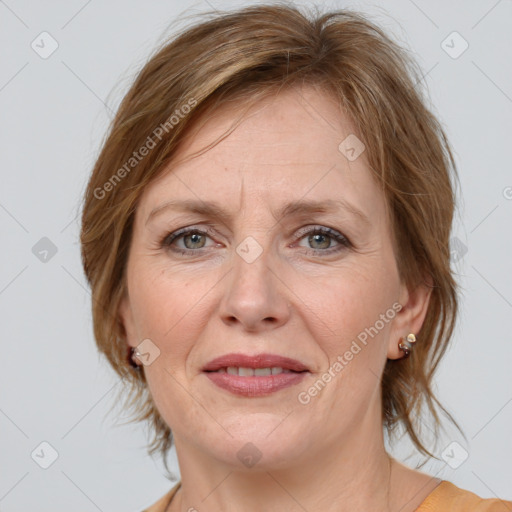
(253, 376)
(254, 372)
(246, 363)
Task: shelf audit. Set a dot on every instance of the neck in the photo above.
(337, 476)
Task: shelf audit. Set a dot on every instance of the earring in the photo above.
(407, 345)
(131, 353)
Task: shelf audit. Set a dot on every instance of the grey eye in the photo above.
(196, 240)
(320, 241)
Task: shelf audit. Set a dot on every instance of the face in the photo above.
(272, 250)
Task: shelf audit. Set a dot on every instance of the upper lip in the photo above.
(255, 361)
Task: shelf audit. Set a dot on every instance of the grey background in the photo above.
(54, 113)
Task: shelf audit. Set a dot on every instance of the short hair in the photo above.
(242, 56)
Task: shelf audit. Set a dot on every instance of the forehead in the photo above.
(286, 146)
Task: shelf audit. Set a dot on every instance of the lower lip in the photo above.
(255, 386)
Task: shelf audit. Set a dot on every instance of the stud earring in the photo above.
(407, 344)
(131, 353)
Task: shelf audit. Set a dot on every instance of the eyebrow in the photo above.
(297, 208)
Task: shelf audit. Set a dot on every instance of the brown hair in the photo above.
(246, 54)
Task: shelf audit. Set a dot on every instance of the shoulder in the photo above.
(447, 496)
(162, 504)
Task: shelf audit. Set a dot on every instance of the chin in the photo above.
(260, 441)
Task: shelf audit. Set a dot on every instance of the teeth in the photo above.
(262, 372)
(251, 372)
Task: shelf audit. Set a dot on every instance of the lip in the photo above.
(257, 385)
(256, 361)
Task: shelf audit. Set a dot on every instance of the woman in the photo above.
(266, 237)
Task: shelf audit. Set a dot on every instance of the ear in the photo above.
(410, 318)
(125, 316)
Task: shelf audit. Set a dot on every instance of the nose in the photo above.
(254, 297)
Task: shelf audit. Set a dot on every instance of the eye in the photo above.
(321, 239)
(317, 240)
(187, 240)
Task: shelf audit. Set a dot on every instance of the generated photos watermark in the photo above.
(149, 144)
(304, 397)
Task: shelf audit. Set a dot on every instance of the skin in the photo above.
(296, 299)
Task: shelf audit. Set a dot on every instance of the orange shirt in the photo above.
(446, 497)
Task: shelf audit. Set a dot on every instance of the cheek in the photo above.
(349, 315)
(347, 305)
(170, 308)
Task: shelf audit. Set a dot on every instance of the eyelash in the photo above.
(344, 242)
